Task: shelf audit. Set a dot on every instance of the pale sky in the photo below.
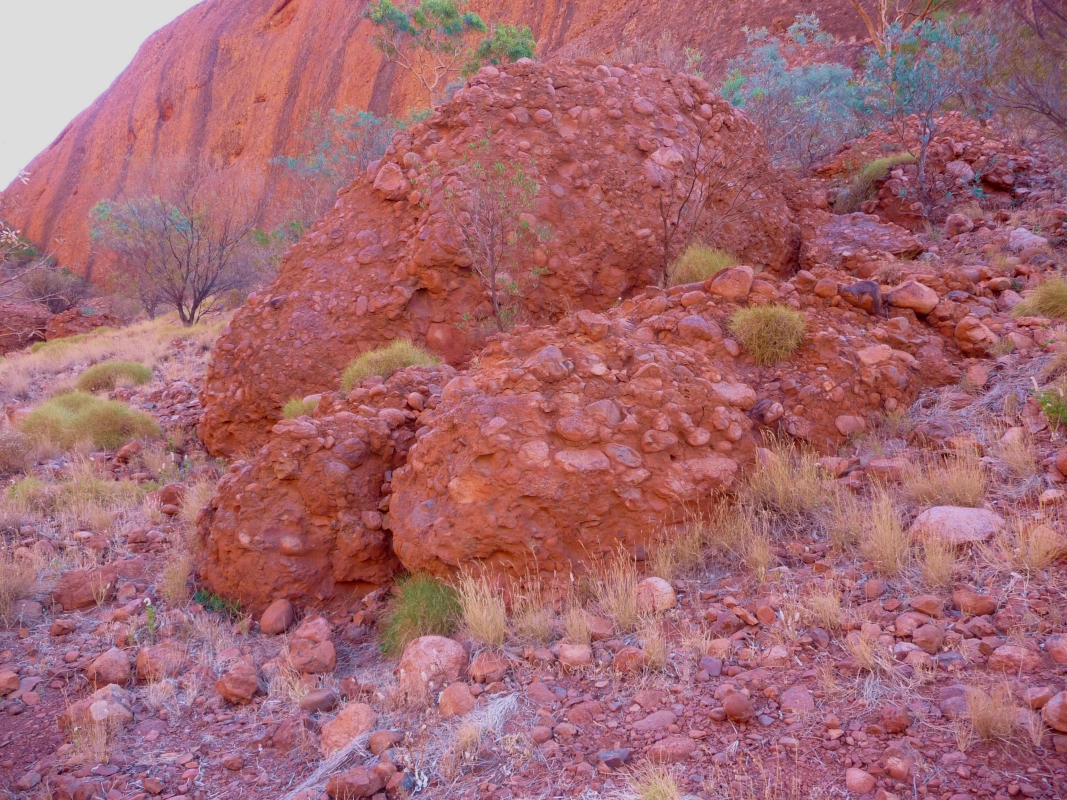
(56, 57)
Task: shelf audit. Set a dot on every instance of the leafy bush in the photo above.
(506, 44)
(74, 417)
(421, 606)
(217, 603)
(1048, 300)
(384, 361)
(58, 290)
(768, 333)
(864, 184)
(106, 376)
(805, 111)
(698, 263)
(299, 408)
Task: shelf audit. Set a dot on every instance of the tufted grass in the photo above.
(1049, 299)
(864, 183)
(769, 333)
(654, 783)
(299, 408)
(105, 377)
(421, 606)
(885, 541)
(76, 417)
(384, 361)
(485, 615)
(698, 263)
(960, 481)
(16, 576)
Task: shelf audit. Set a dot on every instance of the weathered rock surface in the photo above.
(956, 526)
(428, 663)
(21, 324)
(387, 263)
(78, 320)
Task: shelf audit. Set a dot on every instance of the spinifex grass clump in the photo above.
(1048, 300)
(768, 333)
(863, 185)
(74, 417)
(105, 377)
(299, 408)
(698, 263)
(421, 606)
(384, 361)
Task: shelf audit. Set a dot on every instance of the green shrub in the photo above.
(1054, 403)
(74, 417)
(299, 408)
(106, 376)
(421, 606)
(1048, 300)
(768, 333)
(698, 263)
(864, 184)
(211, 601)
(385, 361)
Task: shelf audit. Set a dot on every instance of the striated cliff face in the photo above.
(230, 84)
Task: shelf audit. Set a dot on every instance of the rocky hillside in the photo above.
(230, 84)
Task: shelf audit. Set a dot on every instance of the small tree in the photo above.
(879, 16)
(1034, 77)
(923, 68)
(506, 44)
(491, 205)
(430, 40)
(187, 250)
(805, 111)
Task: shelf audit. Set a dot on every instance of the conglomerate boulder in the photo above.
(388, 262)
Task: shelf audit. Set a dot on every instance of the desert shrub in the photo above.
(664, 50)
(421, 606)
(805, 107)
(106, 376)
(1049, 299)
(296, 407)
(864, 184)
(74, 417)
(698, 263)
(654, 783)
(14, 452)
(56, 289)
(384, 361)
(1053, 401)
(769, 333)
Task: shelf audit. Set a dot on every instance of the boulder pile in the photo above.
(387, 262)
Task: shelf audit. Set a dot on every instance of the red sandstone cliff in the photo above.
(230, 84)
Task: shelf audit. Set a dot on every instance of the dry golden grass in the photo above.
(576, 626)
(79, 418)
(653, 783)
(15, 452)
(741, 534)
(885, 542)
(768, 333)
(1037, 547)
(677, 553)
(461, 751)
(654, 643)
(91, 743)
(297, 407)
(821, 606)
(615, 588)
(1016, 452)
(484, 612)
(532, 618)
(197, 495)
(870, 654)
(843, 518)
(960, 481)
(938, 563)
(17, 575)
(991, 714)
(1049, 299)
(697, 640)
(785, 481)
(174, 579)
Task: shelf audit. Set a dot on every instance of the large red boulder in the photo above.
(21, 324)
(79, 320)
(388, 263)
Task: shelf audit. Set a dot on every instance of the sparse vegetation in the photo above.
(769, 333)
(698, 263)
(615, 588)
(654, 783)
(786, 481)
(384, 361)
(105, 377)
(485, 615)
(938, 563)
(885, 542)
(421, 606)
(296, 407)
(991, 714)
(957, 481)
(679, 552)
(17, 574)
(15, 450)
(864, 184)
(68, 419)
(1048, 299)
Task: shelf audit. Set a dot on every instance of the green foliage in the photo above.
(506, 44)
(805, 107)
(341, 144)
(386, 360)
(421, 606)
(211, 601)
(299, 408)
(1048, 300)
(768, 333)
(74, 417)
(698, 263)
(1053, 401)
(924, 68)
(106, 376)
(864, 184)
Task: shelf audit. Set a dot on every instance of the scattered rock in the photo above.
(113, 666)
(655, 595)
(428, 663)
(240, 684)
(456, 700)
(354, 720)
(277, 618)
(955, 525)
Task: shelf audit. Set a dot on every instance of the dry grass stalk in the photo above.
(885, 542)
(463, 749)
(615, 588)
(787, 481)
(870, 654)
(196, 497)
(1016, 451)
(1038, 547)
(654, 643)
(822, 607)
(960, 481)
(576, 626)
(677, 553)
(653, 783)
(938, 563)
(484, 612)
(532, 617)
(843, 519)
(91, 743)
(174, 580)
(991, 714)
(18, 571)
